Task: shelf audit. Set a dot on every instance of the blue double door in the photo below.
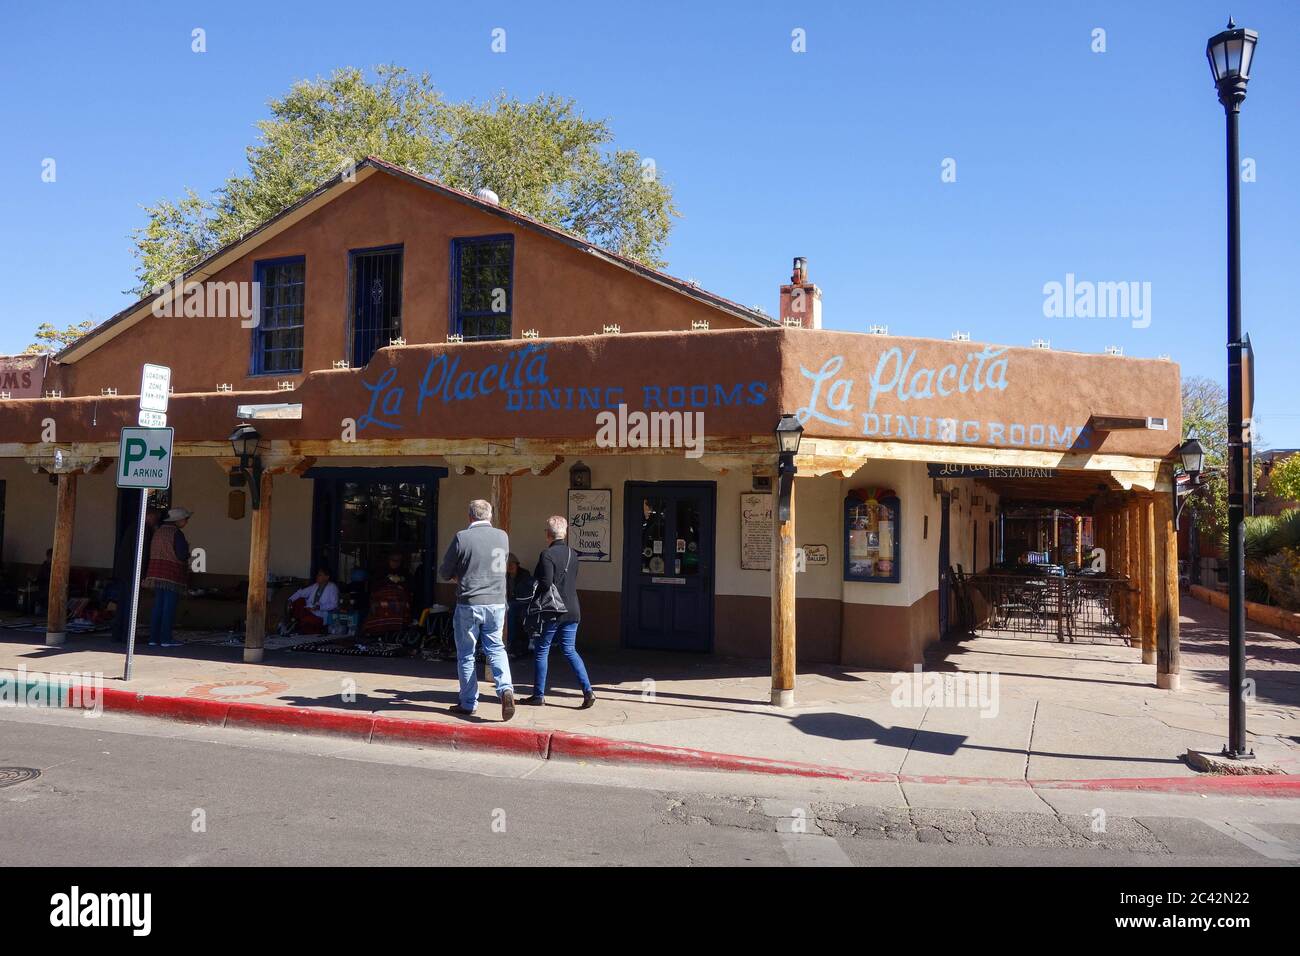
(668, 565)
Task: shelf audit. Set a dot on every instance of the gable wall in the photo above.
(558, 290)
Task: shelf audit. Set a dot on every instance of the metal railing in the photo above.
(1084, 608)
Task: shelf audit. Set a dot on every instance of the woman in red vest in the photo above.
(169, 566)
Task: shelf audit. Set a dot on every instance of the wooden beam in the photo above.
(502, 493)
(783, 607)
(259, 553)
(65, 510)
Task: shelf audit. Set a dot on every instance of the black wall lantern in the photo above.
(580, 476)
(247, 444)
(788, 435)
(1191, 454)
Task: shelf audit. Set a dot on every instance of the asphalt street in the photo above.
(117, 790)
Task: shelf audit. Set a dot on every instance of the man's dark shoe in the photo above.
(588, 700)
(457, 709)
(537, 700)
(507, 705)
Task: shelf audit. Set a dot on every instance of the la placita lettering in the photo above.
(894, 376)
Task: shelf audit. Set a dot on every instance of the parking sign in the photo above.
(144, 458)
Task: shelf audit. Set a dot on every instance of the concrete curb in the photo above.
(563, 745)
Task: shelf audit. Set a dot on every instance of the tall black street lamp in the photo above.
(1230, 54)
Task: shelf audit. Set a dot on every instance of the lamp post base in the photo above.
(1228, 754)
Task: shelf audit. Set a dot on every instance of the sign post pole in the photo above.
(144, 461)
(135, 583)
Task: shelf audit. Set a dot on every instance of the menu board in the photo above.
(756, 532)
(589, 523)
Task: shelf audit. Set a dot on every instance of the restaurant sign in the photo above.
(589, 523)
(22, 376)
(944, 470)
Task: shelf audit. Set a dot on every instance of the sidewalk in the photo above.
(1064, 712)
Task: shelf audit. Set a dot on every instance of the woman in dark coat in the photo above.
(558, 565)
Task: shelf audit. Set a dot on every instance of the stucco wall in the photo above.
(558, 290)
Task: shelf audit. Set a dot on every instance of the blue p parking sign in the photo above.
(144, 458)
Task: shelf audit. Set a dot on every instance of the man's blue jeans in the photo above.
(472, 623)
(163, 616)
(568, 635)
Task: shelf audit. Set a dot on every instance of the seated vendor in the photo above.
(308, 606)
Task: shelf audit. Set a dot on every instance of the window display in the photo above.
(871, 535)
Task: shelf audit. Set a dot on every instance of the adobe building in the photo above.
(412, 347)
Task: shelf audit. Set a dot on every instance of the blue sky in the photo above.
(1105, 165)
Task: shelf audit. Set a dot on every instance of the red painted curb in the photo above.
(1258, 785)
(470, 737)
(301, 720)
(188, 709)
(563, 745)
(569, 746)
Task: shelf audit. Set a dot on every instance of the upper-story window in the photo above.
(375, 296)
(277, 339)
(482, 280)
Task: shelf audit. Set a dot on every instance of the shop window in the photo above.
(375, 295)
(363, 516)
(871, 535)
(482, 287)
(277, 339)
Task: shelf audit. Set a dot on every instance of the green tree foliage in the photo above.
(541, 157)
(1205, 415)
(50, 340)
(1284, 478)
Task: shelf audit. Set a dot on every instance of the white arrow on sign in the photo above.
(155, 388)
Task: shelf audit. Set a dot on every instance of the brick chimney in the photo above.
(801, 301)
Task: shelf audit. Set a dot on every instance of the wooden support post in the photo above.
(502, 491)
(783, 615)
(56, 611)
(1149, 582)
(1167, 653)
(259, 553)
(1121, 557)
(1134, 550)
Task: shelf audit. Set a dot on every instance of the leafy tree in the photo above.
(50, 340)
(541, 156)
(1205, 414)
(1284, 479)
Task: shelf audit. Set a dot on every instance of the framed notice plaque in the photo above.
(589, 523)
(756, 532)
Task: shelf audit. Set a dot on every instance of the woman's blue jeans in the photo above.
(568, 635)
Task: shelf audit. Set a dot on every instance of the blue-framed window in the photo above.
(871, 538)
(277, 339)
(375, 300)
(482, 287)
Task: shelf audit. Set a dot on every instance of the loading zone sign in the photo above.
(144, 458)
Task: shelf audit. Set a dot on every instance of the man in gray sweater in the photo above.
(476, 561)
